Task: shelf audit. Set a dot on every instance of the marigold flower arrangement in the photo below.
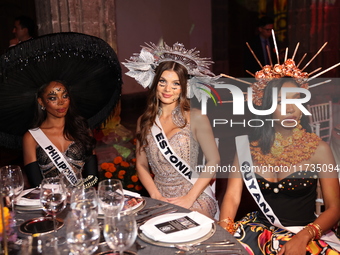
(123, 169)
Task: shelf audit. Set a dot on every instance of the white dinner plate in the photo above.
(201, 231)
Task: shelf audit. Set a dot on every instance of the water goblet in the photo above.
(68, 185)
(83, 199)
(120, 231)
(53, 197)
(83, 232)
(111, 196)
(11, 185)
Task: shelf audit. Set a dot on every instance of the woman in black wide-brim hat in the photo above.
(54, 84)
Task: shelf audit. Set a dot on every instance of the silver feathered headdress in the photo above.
(142, 65)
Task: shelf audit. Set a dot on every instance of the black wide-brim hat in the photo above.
(87, 64)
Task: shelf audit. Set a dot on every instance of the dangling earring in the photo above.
(42, 107)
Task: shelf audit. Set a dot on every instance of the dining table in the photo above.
(141, 247)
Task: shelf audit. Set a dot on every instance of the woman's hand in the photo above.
(297, 245)
(184, 201)
(160, 197)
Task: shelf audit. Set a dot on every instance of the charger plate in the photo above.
(40, 225)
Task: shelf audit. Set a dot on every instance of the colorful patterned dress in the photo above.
(293, 201)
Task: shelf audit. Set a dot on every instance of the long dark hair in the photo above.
(76, 127)
(149, 116)
(266, 134)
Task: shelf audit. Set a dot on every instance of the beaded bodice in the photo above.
(74, 154)
(168, 180)
(184, 146)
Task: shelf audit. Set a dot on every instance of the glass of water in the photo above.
(83, 233)
(53, 197)
(120, 231)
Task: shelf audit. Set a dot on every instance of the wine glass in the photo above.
(84, 199)
(111, 196)
(12, 184)
(120, 231)
(53, 197)
(83, 232)
(68, 185)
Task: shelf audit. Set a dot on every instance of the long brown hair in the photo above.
(148, 118)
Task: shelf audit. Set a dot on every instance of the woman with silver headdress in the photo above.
(169, 132)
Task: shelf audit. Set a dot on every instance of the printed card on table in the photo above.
(176, 225)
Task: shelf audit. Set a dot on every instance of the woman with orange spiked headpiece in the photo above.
(280, 166)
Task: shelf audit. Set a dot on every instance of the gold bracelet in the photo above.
(231, 226)
(310, 231)
(317, 229)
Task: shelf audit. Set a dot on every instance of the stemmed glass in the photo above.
(11, 185)
(83, 232)
(53, 197)
(120, 231)
(69, 186)
(111, 196)
(84, 199)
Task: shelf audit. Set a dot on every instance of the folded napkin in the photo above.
(130, 193)
(177, 227)
(22, 201)
(126, 192)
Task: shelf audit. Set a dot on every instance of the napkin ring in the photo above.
(230, 226)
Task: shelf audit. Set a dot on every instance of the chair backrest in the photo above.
(321, 120)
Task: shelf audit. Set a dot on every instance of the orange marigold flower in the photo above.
(120, 176)
(134, 178)
(130, 186)
(108, 175)
(121, 172)
(133, 160)
(117, 160)
(112, 168)
(104, 166)
(138, 187)
(124, 164)
(285, 143)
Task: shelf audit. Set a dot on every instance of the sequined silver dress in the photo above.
(74, 154)
(168, 180)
